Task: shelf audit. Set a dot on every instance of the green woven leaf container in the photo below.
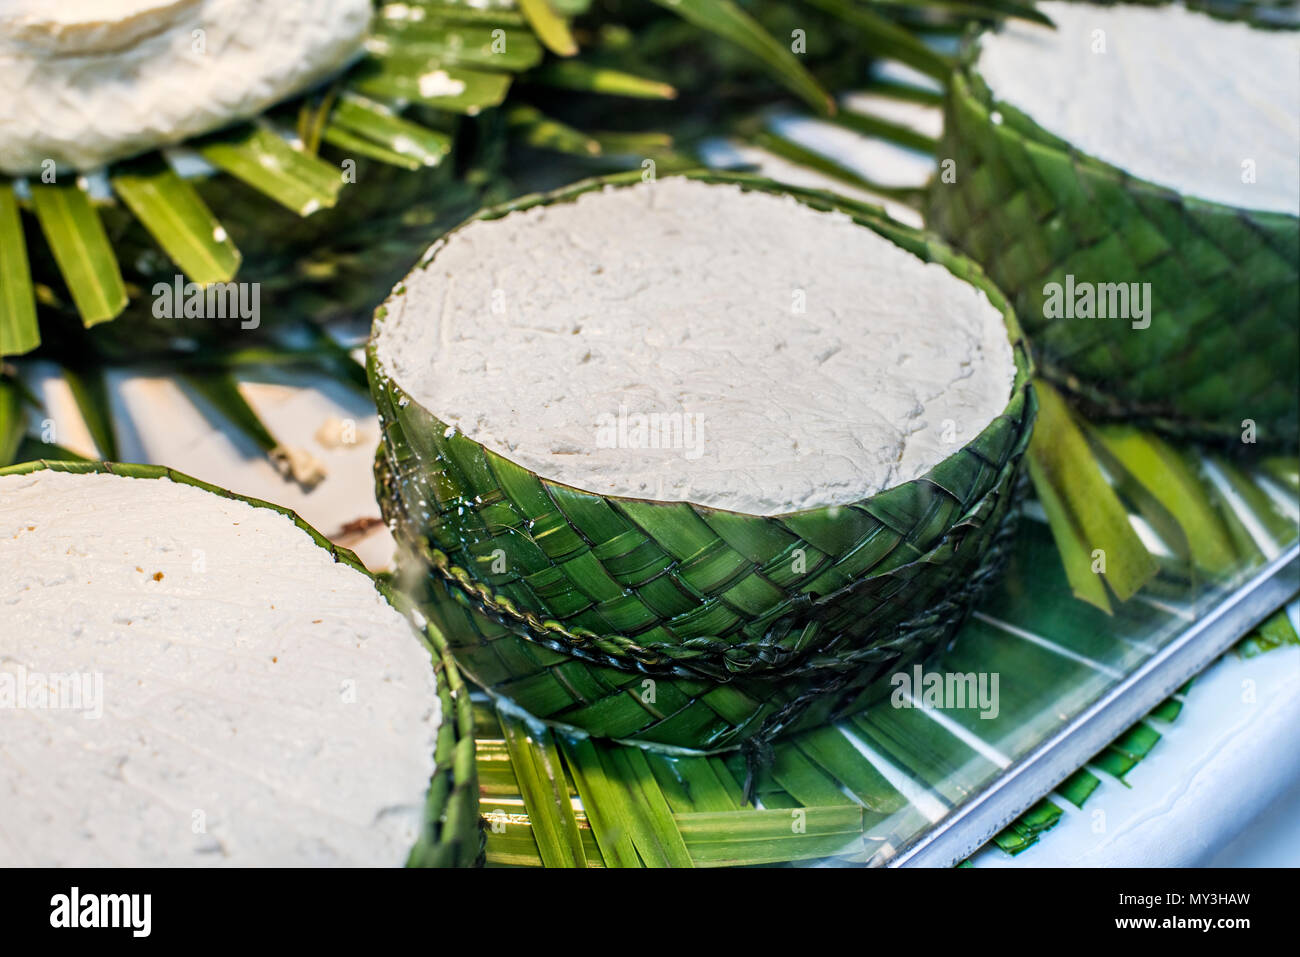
(452, 835)
(678, 625)
(1225, 282)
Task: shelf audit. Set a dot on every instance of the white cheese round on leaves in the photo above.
(689, 342)
(191, 680)
(1205, 107)
(86, 82)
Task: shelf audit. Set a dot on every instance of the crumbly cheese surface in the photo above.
(792, 358)
(258, 703)
(1205, 107)
(90, 81)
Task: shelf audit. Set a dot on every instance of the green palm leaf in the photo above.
(81, 248)
(730, 22)
(171, 209)
(256, 155)
(18, 329)
(551, 28)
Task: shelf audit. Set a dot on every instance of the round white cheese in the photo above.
(1205, 107)
(189, 680)
(689, 342)
(88, 82)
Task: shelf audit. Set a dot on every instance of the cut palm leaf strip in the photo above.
(258, 156)
(1279, 528)
(81, 248)
(172, 211)
(729, 21)
(1161, 481)
(887, 39)
(439, 43)
(222, 391)
(796, 153)
(352, 144)
(869, 125)
(1283, 470)
(13, 418)
(590, 78)
(536, 762)
(543, 132)
(551, 28)
(19, 331)
(455, 88)
(976, 10)
(1088, 521)
(1274, 632)
(89, 388)
(377, 123)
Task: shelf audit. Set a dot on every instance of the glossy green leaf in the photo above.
(1148, 466)
(81, 248)
(551, 28)
(19, 331)
(589, 78)
(293, 178)
(1088, 521)
(456, 88)
(491, 47)
(176, 216)
(377, 123)
(730, 22)
(545, 791)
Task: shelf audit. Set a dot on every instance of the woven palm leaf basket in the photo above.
(331, 683)
(1216, 357)
(671, 624)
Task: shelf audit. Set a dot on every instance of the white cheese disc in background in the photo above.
(86, 83)
(1172, 96)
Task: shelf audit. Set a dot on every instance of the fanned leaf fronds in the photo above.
(76, 237)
